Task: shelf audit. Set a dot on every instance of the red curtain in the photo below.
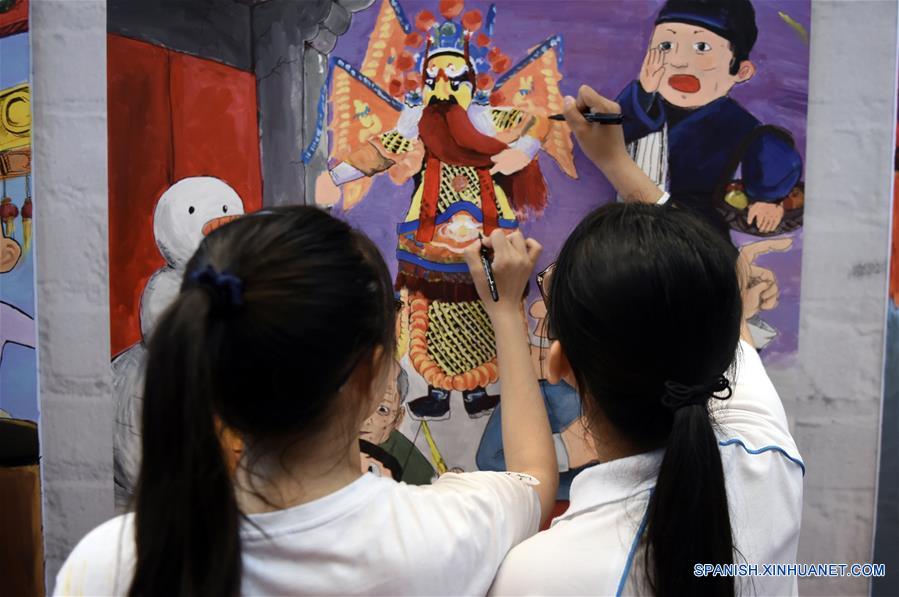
(170, 116)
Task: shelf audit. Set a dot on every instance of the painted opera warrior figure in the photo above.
(470, 146)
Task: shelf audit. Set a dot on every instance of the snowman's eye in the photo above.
(225, 208)
(190, 209)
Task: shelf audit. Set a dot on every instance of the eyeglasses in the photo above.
(543, 282)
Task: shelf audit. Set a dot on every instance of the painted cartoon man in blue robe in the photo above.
(687, 133)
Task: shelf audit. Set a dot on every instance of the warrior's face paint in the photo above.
(696, 65)
(447, 78)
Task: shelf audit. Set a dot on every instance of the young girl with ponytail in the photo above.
(283, 334)
(698, 466)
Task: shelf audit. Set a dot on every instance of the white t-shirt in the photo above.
(595, 548)
(374, 537)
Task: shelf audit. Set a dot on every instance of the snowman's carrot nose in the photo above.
(217, 223)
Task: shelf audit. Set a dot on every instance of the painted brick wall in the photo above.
(69, 61)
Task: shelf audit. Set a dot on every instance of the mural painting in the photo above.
(18, 360)
(426, 123)
(435, 121)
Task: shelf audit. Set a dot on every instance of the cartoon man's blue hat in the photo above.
(734, 20)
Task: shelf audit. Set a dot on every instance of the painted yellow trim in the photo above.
(15, 117)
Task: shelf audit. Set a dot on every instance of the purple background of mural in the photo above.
(604, 46)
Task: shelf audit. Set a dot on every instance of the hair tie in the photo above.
(678, 395)
(225, 287)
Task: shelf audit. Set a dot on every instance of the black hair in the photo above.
(734, 20)
(276, 312)
(644, 297)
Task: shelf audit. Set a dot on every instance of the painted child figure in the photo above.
(686, 131)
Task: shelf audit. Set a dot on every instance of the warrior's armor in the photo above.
(452, 343)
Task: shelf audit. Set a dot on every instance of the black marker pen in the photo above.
(595, 117)
(488, 270)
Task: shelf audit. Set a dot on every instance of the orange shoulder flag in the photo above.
(532, 86)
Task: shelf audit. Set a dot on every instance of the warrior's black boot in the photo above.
(478, 402)
(433, 406)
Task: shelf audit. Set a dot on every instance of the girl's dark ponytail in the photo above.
(276, 312)
(187, 519)
(645, 302)
(688, 521)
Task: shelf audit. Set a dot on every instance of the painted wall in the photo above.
(190, 148)
(18, 361)
(831, 390)
(173, 131)
(776, 95)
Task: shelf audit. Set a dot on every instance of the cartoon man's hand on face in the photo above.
(653, 69)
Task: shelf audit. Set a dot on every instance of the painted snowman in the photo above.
(189, 210)
(185, 213)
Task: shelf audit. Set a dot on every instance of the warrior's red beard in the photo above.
(450, 136)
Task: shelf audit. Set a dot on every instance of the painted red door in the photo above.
(171, 116)
(14, 19)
